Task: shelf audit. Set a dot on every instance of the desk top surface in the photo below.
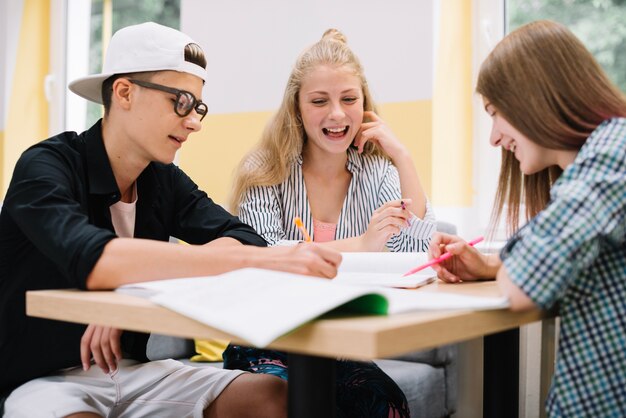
(362, 337)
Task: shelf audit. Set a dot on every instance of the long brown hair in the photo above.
(282, 140)
(547, 85)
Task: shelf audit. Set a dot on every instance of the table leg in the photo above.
(311, 386)
(549, 330)
(501, 375)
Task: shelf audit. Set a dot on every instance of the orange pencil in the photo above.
(300, 225)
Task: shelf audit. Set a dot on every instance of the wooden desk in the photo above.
(313, 346)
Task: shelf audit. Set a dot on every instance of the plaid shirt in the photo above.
(574, 253)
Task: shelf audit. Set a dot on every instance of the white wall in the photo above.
(10, 18)
(488, 31)
(251, 46)
(77, 60)
(55, 82)
(3, 60)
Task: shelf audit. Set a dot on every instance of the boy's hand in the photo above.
(103, 343)
(307, 258)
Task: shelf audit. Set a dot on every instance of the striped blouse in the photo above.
(375, 180)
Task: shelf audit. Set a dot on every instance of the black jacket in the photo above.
(54, 225)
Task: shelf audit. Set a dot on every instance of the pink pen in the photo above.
(439, 259)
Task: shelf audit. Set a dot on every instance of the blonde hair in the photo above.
(547, 85)
(282, 140)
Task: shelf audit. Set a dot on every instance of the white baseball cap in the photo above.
(144, 47)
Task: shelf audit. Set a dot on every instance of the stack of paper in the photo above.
(384, 269)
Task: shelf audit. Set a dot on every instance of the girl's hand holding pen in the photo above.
(386, 221)
(467, 263)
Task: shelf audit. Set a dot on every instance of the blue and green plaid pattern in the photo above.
(574, 254)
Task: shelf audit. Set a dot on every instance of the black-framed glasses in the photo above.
(185, 101)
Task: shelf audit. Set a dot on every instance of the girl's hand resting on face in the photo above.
(379, 133)
(386, 221)
(467, 262)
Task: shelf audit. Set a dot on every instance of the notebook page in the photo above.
(384, 269)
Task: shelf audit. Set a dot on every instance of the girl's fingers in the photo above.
(358, 138)
(390, 221)
(441, 243)
(371, 115)
(396, 212)
(451, 278)
(362, 141)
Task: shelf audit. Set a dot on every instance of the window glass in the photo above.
(599, 24)
(124, 13)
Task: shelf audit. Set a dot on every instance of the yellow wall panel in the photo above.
(452, 107)
(412, 124)
(27, 114)
(211, 155)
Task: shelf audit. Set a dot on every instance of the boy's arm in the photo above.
(130, 260)
(224, 242)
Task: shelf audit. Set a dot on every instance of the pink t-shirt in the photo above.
(323, 231)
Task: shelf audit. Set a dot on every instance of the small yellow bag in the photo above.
(209, 350)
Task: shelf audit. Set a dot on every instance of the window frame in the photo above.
(488, 29)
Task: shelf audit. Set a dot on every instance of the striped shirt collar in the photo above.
(354, 163)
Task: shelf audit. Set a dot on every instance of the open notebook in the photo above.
(261, 305)
(384, 269)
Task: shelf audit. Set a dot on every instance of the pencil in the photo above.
(439, 259)
(300, 225)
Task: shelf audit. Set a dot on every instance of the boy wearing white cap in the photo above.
(90, 211)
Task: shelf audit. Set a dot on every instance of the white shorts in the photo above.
(165, 388)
